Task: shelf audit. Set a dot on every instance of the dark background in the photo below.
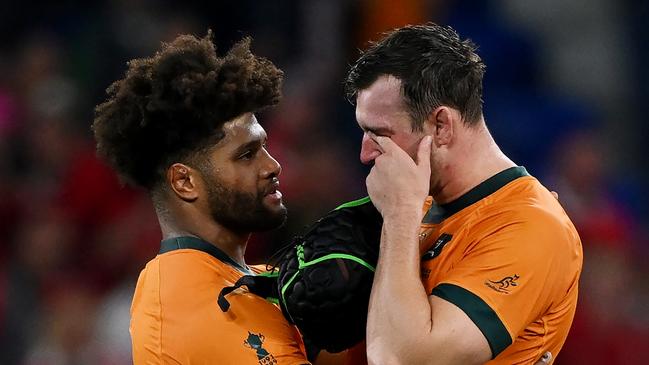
(566, 95)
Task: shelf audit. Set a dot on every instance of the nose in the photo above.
(369, 150)
(271, 168)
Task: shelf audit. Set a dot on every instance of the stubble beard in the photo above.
(240, 211)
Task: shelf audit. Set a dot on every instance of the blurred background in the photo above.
(566, 95)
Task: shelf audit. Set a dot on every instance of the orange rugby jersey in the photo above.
(507, 254)
(175, 318)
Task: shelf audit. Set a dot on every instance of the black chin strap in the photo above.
(263, 285)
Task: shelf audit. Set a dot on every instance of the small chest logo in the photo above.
(504, 285)
(437, 247)
(254, 342)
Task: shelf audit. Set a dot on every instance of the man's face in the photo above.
(380, 109)
(241, 178)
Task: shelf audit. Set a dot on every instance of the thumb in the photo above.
(423, 153)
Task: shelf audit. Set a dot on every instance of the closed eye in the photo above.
(379, 131)
(247, 155)
(249, 150)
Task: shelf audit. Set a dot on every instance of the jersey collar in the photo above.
(195, 243)
(438, 212)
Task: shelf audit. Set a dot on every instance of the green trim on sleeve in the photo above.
(480, 313)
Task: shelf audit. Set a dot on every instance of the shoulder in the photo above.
(182, 276)
(190, 265)
(527, 206)
(259, 268)
(526, 220)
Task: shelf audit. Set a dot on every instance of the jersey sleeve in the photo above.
(510, 275)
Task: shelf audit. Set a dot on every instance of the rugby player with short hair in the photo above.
(489, 272)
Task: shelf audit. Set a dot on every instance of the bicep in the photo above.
(457, 339)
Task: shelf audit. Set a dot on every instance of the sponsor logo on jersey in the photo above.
(254, 342)
(504, 285)
(437, 247)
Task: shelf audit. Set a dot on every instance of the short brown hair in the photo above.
(434, 65)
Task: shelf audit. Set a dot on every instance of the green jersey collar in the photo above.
(195, 243)
(438, 212)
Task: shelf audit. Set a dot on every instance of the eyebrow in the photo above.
(255, 143)
(379, 131)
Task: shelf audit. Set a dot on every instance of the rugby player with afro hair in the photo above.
(181, 124)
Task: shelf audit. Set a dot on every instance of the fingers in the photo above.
(423, 153)
(387, 145)
(545, 359)
(555, 194)
(381, 141)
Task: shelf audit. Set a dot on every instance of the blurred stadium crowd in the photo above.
(566, 95)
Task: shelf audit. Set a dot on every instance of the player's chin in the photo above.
(274, 204)
(275, 217)
(279, 212)
(274, 208)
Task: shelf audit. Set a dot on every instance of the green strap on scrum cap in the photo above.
(300, 251)
(300, 259)
(272, 300)
(271, 274)
(331, 256)
(354, 203)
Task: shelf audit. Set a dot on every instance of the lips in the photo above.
(272, 188)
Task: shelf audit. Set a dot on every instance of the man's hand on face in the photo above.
(396, 181)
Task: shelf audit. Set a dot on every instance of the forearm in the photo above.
(399, 317)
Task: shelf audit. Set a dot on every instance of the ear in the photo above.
(183, 181)
(442, 123)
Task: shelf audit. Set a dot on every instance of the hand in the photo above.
(396, 181)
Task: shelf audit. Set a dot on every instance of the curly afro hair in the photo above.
(170, 107)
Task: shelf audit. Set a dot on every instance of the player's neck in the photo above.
(476, 159)
(231, 243)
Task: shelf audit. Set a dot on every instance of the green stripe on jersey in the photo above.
(480, 313)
